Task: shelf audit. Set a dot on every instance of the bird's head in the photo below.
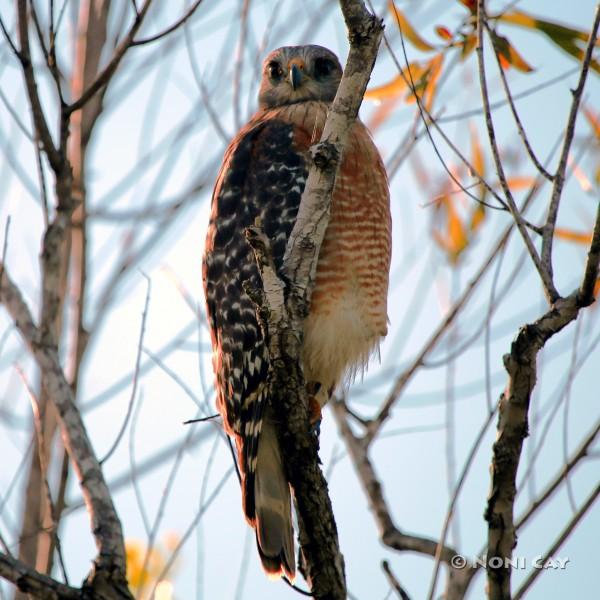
(297, 73)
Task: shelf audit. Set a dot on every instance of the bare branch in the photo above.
(31, 582)
(106, 527)
(39, 119)
(586, 291)
(190, 11)
(105, 75)
(545, 274)
(512, 429)
(393, 581)
(559, 176)
(581, 453)
(389, 533)
(136, 376)
(513, 109)
(567, 531)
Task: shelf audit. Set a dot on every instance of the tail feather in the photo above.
(272, 500)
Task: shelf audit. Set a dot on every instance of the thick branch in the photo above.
(586, 291)
(106, 527)
(35, 584)
(512, 430)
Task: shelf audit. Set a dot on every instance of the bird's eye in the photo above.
(274, 70)
(324, 67)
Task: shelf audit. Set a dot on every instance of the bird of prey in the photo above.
(262, 176)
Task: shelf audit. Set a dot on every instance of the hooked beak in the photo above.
(296, 74)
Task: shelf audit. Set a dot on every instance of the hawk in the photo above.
(263, 176)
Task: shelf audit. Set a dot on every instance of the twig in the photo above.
(204, 96)
(9, 39)
(192, 526)
(136, 374)
(566, 406)
(393, 581)
(54, 157)
(545, 274)
(105, 75)
(457, 489)
(390, 535)
(239, 62)
(401, 382)
(513, 108)
(566, 532)
(559, 176)
(191, 10)
(581, 453)
(202, 420)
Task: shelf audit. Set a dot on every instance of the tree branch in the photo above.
(559, 176)
(544, 273)
(104, 76)
(389, 534)
(109, 565)
(31, 582)
(153, 38)
(570, 527)
(24, 55)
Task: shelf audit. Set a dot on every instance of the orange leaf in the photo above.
(517, 183)
(443, 32)
(434, 71)
(455, 240)
(569, 39)
(573, 236)
(397, 85)
(470, 4)
(477, 217)
(508, 54)
(457, 236)
(408, 30)
(468, 45)
(555, 31)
